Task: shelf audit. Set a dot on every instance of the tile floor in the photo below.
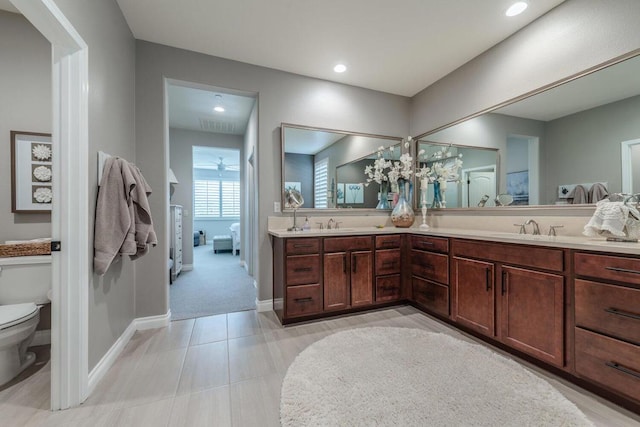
(223, 370)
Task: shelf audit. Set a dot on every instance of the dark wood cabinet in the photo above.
(607, 321)
(348, 272)
(473, 295)
(388, 266)
(430, 273)
(519, 306)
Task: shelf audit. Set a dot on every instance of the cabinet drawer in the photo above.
(388, 288)
(430, 266)
(607, 267)
(303, 269)
(428, 243)
(528, 256)
(612, 363)
(387, 262)
(342, 244)
(388, 242)
(304, 300)
(610, 309)
(432, 296)
(303, 246)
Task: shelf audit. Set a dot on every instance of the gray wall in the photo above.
(283, 97)
(585, 147)
(249, 225)
(111, 129)
(573, 37)
(25, 86)
(181, 142)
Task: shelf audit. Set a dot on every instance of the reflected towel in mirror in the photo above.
(614, 218)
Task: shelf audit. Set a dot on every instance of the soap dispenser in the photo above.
(306, 225)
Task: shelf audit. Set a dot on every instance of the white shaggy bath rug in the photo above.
(410, 377)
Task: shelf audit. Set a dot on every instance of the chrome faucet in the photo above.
(331, 224)
(536, 228)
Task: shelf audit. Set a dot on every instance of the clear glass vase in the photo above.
(402, 215)
(384, 196)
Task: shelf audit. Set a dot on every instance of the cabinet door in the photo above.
(474, 300)
(336, 281)
(532, 306)
(361, 278)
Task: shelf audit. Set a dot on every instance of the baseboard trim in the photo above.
(107, 361)
(187, 267)
(265, 305)
(153, 322)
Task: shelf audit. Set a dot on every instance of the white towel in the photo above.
(615, 218)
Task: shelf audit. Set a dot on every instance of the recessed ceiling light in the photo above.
(219, 109)
(340, 68)
(517, 8)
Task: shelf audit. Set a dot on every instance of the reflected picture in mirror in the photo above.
(328, 166)
(577, 133)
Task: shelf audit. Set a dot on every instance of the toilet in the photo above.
(25, 283)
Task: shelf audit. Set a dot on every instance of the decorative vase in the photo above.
(402, 215)
(384, 196)
(437, 196)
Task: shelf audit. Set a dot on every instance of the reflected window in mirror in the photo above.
(569, 136)
(327, 166)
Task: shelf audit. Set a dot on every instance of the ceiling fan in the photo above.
(222, 166)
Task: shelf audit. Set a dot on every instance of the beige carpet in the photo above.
(410, 377)
(217, 284)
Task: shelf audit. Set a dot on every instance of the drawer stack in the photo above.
(430, 273)
(607, 317)
(388, 263)
(303, 290)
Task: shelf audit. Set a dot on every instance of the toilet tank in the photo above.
(25, 279)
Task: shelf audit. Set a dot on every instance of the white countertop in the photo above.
(571, 242)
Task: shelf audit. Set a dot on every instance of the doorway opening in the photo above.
(522, 172)
(208, 146)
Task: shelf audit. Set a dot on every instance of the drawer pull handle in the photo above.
(300, 245)
(422, 242)
(388, 263)
(488, 278)
(622, 270)
(622, 313)
(306, 299)
(621, 368)
(302, 269)
(344, 264)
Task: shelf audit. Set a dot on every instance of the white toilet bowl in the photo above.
(17, 327)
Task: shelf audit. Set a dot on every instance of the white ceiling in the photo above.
(399, 46)
(210, 158)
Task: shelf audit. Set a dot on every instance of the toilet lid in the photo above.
(16, 313)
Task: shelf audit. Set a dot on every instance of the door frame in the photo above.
(465, 179)
(70, 213)
(627, 168)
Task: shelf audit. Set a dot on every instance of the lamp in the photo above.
(172, 177)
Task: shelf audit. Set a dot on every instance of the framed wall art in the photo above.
(31, 172)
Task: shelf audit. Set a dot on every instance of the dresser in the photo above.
(175, 248)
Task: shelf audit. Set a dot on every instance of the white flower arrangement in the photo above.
(440, 171)
(42, 173)
(384, 169)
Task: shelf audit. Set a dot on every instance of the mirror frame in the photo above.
(512, 209)
(394, 139)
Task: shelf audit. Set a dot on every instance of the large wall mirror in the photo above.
(583, 132)
(327, 166)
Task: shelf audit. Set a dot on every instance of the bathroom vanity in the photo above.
(569, 304)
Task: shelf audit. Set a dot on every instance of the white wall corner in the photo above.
(107, 361)
(187, 267)
(264, 305)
